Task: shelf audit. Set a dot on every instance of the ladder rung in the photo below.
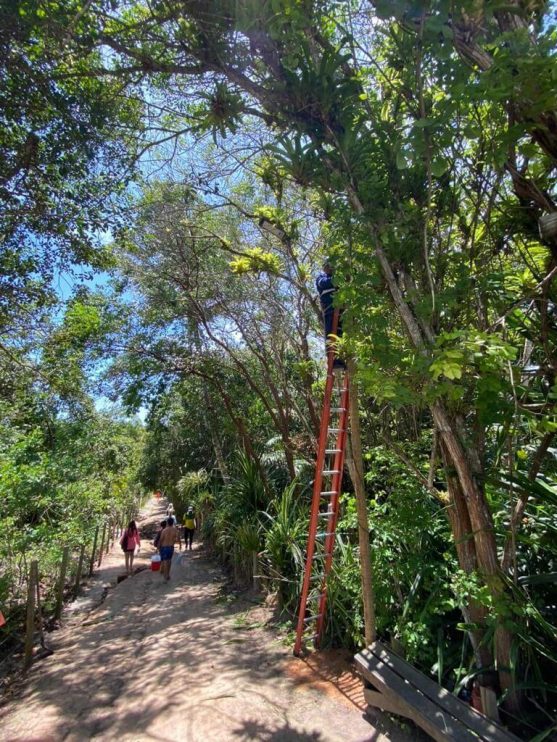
(317, 578)
(326, 472)
(338, 409)
(326, 515)
(333, 450)
(336, 430)
(315, 596)
(328, 493)
(312, 618)
(324, 533)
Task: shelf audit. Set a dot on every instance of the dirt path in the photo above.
(172, 661)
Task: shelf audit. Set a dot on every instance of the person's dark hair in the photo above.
(132, 526)
(169, 522)
(163, 523)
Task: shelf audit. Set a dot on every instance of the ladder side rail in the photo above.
(336, 484)
(316, 499)
(335, 507)
(317, 485)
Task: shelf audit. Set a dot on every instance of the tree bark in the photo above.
(457, 512)
(356, 469)
(481, 526)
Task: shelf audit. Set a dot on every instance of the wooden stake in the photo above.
(61, 582)
(92, 562)
(30, 623)
(255, 570)
(39, 612)
(79, 569)
(102, 546)
(356, 468)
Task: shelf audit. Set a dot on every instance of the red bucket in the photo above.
(155, 563)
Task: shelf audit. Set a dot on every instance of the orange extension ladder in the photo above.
(325, 502)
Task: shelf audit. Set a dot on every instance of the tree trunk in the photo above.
(210, 421)
(481, 525)
(356, 469)
(457, 512)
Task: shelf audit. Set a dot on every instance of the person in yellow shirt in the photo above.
(189, 527)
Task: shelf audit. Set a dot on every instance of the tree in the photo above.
(65, 149)
(376, 142)
(204, 309)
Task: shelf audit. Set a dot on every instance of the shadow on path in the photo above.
(170, 661)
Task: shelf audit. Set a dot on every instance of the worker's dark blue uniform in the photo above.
(326, 290)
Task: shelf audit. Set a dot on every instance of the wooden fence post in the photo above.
(255, 570)
(79, 568)
(40, 612)
(30, 623)
(61, 580)
(102, 546)
(92, 562)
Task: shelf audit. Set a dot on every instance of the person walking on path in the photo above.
(168, 538)
(157, 538)
(189, 527)
(130, 539)
(171, 514)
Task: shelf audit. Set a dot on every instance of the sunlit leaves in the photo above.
(256, 260)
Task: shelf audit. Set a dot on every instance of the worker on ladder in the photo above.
(326, 290)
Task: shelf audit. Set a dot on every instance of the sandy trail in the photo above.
(172, 661)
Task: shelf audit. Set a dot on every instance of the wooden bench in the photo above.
(395, 686)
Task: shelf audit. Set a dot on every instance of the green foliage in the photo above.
(421, 157)
(256, 260)
(284, 524)
(222, 112)
(58, 479)
(191, 488)
(64, 150)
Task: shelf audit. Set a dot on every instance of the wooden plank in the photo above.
(438, 723)
(92, 562)
(61, 583)
(79, 569)
(381, 701)
(30, 622)
(102, 545)
(485, 728)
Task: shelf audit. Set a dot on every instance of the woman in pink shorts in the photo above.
(128, 542)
